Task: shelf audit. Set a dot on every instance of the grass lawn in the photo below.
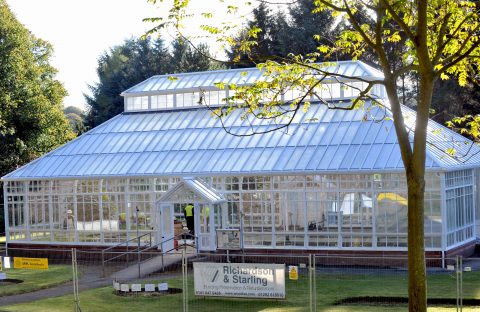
(36, 279)
(330, 288)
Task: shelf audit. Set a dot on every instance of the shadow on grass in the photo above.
(372, 300)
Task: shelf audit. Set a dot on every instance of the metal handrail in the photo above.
(136, 250)
(127, 241)
(139, 250)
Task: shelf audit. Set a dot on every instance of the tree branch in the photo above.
(440, 41)
(399, 20)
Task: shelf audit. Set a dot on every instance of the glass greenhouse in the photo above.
(331, 180)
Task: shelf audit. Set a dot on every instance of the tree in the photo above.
(310, 28)
(271, 39)
(132, 62)
(277, 34)
(186, 59)
(442, 38)
(76, 118)
(120, 68)
(450, 100)
(31, 118)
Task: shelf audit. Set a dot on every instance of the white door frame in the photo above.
(165, 226)
(207, 241)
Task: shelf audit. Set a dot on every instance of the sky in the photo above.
(80, 31)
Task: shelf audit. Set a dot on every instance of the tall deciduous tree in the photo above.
(31, 118)
(442, 40)
(76, 117)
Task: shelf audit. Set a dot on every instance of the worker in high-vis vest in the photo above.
(204, 217)
(188, 213)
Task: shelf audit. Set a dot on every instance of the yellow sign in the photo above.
(293, 272)
(30, 263)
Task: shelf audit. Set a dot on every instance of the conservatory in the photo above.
(332, 180)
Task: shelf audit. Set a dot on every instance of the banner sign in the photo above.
(246, 280)
(30, 263)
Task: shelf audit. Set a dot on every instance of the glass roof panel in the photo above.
(228, 154)
(360, 158)
(375, 130)
(337, 157)
(238, 159)
(254, 157)
(307, 156)
(284, 157)
(384, 155)
(349, 157)
(268, 160)
(301, 136)
(328, 157)
(209, 160)
(340, 133)
(145, 163)
(294, 158)
(373, 154)
(395, 156)
(191, 142)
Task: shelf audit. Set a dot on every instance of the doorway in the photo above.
(207, 213)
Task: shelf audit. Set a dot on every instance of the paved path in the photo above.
(91, 278)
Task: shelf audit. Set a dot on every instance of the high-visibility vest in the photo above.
(189, 211)
(206, 212)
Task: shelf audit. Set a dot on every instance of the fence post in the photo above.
(103, 263)
(76, 296)
(461, 283)
(314, 269)
(184, 280)
(310, 282)
(458, 275)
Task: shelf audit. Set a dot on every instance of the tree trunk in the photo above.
(415, 171)
(414, 163)
(417, 285)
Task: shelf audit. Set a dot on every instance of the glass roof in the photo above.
(188, 82)
(191, 142)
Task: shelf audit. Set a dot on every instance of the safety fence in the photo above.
(184, 280)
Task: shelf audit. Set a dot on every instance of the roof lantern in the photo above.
(189, 90)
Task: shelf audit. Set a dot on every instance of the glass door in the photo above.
(166, 227)
(206, 227)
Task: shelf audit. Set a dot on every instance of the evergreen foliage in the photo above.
(31, 118)
(299, 32)
(130, 63)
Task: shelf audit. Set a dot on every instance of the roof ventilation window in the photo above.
(136, 103)
(188, 90)
(175, 101)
